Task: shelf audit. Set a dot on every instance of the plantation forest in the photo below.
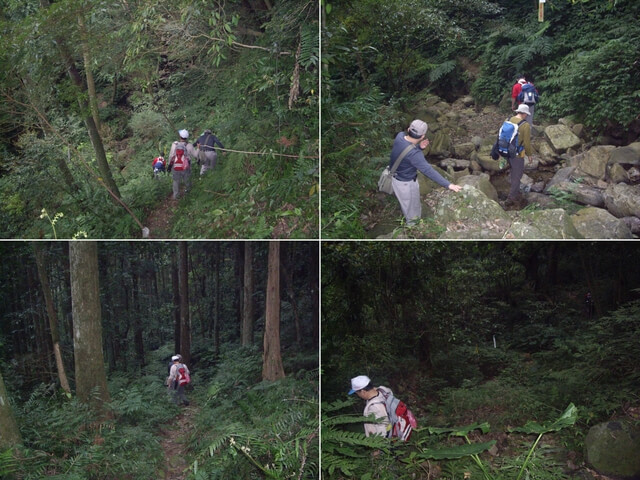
(89, 330)
(91, 92)
(518, 359)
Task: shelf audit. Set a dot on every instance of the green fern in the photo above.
(442, 70)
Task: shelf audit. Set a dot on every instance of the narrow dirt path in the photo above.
(159, 220)
(174, 437)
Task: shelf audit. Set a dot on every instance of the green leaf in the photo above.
(568, 418)
(455, 452)
(460, 431)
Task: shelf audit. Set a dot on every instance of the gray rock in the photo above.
(598, 223)
(561, 138)
(482, 183)
(622, 200)
(594, 162)
(454, 163)
(464, 150)
(633, 223)
(616, 173)
(612, 449)
(563, 175)
(554, 223)
(625, 155)
(427, 185)
(580, 193)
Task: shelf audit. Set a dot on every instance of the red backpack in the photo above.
(181, 158)
(401, 419)
(183, 375)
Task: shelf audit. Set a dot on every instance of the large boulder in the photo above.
(561, 138)
(427, 185)
(440, 145)
(542, 224)
(622, 200)
(594, 162)
(598, 223)
(613, 448)
(580, 193)
(482, 183)
(470, 214)
(464, 150)
(629, 155)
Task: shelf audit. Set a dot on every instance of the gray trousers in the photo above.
(179, 397)
(208, 159)
(408, 194)
(181, 177)
(532, 108)
(517, 169)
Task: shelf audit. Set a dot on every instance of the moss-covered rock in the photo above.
(613, 448)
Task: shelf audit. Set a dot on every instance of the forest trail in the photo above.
(174, 436)
(159, 220)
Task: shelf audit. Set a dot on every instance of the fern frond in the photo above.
(442, 70)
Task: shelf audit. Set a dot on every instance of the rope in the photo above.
(265, 153)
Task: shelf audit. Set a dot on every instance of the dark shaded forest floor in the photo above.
(174, 437)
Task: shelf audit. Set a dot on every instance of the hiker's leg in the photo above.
(530, 116)
(408, 195)
(213, 159)
(187, 180)
(517, 169)
(176, 183)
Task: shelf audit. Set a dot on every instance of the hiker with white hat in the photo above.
(515, 197)
(179, 377)
(363, 388)
(407, 148)
(180, 158)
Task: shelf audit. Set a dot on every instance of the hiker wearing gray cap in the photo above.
(405, 183)
(515, 197)
(363, 388)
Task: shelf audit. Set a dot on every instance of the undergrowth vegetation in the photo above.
(582, 58)
(244, 428)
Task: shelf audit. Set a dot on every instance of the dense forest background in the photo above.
(92, 91)
(467, 333)
(86, 336)
(379, 57)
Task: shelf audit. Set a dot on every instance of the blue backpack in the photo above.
(508, 145)
(528, 95)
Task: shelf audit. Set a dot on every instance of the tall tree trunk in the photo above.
(287, 268)
(272, 368)
(247, 296)
(216, 325)
(91, 380)
(314, 281)
(137, 312)
(185, 320)
(9, 433)
(51, 313)
(175, 282)
(91, 84)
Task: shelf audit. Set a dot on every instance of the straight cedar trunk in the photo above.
(91, 380)
(185, 320)
(51, 313)
(175, 283)
(314, 280)
(247, 296)
(9, 433)
(216, 323)
(272, 368)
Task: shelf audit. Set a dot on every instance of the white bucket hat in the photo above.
(522, 108)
